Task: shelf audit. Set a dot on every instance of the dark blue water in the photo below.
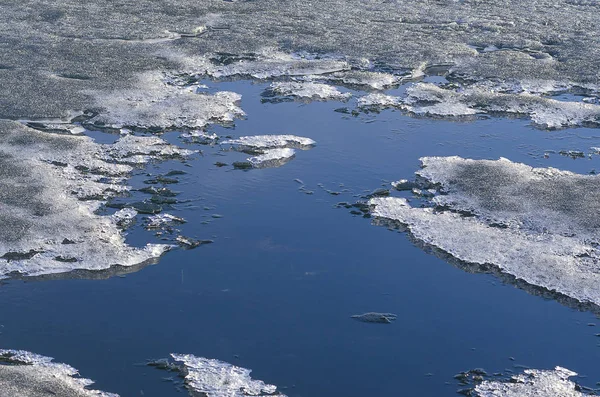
(276, 289)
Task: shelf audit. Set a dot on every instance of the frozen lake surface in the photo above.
(239, 198)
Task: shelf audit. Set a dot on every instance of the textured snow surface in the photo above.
(537, 224)
(32, 375)
(157, 104)
(216, 378)
(50, 188)
(533, 383)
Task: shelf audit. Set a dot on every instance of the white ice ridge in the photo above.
(272, 141)
(538, 224)
(533, 383)
(431, 100)
(32, 375)
(308, 90)
(157, 104)
(50, 188)
(214, 378)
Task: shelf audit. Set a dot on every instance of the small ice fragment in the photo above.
(373, 317)
(272, 141)
(214, 378)
(307, 90)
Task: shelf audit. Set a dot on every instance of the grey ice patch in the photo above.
(539, 225)
(373, 317)
(533, 383)
(214, 378)
(25, 374)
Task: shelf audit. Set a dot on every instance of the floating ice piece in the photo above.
(272, 141)
(215, 378)
(536, 224)
(272, 158)
(533, 383)
(378, 100)
(160, 220)
(361, 79)
(273, 150)
(429, 99)
(131, 149)
(28, 374)
(201, 137)
(156, 104)
(308, 90)
(372, 317)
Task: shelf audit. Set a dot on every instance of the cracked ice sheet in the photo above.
(26, 374)
(47, 204)
(548, 218)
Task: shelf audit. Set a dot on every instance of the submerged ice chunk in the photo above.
(214, 378)
(533, 383)
(537, 224)
(25, 374)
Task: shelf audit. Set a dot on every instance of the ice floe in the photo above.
(51, 187)
(539, 225)
(272, 141)
(533, 383)
(25, 374)
(272, 158)
(269, 150)
(306, 90)
(214, 378)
